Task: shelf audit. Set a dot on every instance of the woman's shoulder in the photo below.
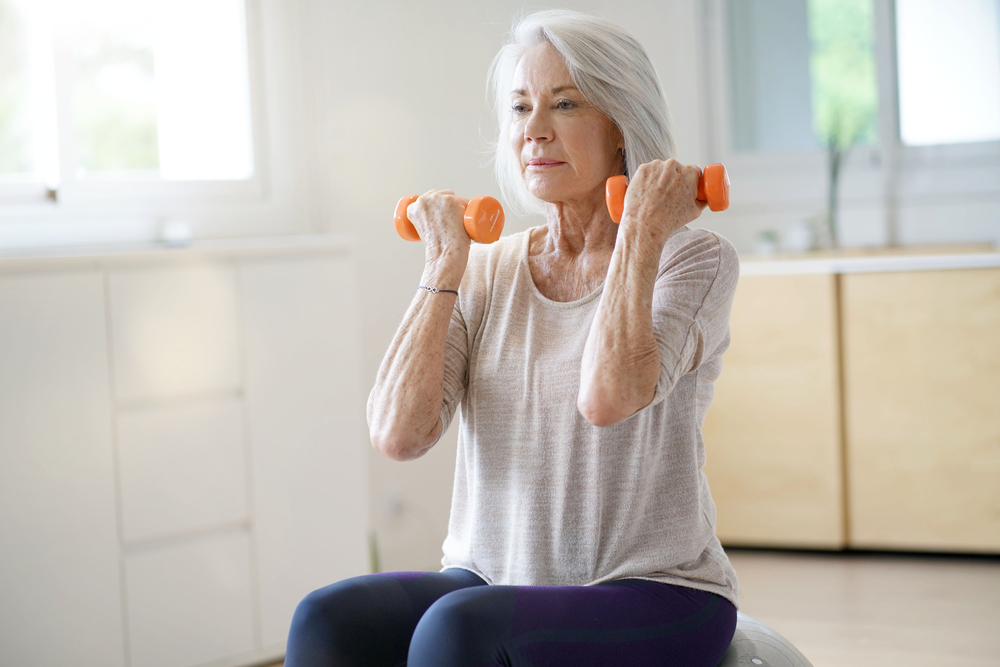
(701, 253)
(688, 248)
(490, 273)
(486, 260)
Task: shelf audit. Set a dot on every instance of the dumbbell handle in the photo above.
(483, 219)
(713, 187)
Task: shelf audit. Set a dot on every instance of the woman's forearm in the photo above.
(621, 359)
(405, 404)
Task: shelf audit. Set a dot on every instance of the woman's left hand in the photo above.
(661, 198)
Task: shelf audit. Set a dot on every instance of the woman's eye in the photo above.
(518, 108)
(565, 104)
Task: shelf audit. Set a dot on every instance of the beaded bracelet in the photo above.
(435, 290)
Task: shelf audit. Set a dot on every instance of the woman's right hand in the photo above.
(438, 216)
(405, 404)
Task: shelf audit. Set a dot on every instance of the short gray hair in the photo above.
(611, 70)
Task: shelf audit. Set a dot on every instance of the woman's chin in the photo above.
(549, 193)
(543, 195)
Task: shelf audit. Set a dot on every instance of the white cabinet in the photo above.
(182, 451)
(190, 600)
(174, 331)
(182, 468)
(307, 427)
(60, 587)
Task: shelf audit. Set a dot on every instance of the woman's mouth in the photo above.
(543, 163)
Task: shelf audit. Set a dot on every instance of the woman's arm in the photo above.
(621, 360)
(404, 406)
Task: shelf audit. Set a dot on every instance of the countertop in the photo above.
(921, 258)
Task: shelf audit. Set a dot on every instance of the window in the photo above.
(21, 125)
(802, 73)
(910, 89)
(949, 71)
(124, 97)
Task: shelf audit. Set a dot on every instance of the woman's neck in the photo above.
(569, 257)
(576, 228)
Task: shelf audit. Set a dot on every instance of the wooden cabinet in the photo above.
(772, 435)
(922, 390)
(860, 409)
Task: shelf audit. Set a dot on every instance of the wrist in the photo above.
(444, 271)
(640, 246)
(445, 254)
(648, 231)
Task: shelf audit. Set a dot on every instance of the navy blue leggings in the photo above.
(453, 619)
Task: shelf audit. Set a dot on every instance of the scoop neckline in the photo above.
(526, 270)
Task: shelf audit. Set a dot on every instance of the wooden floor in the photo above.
(854, 610)
(876, 610)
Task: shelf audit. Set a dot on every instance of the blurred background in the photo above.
(199, 278)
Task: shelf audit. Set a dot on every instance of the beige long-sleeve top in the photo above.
(541, 496)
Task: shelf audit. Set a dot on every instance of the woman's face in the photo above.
(567, 148)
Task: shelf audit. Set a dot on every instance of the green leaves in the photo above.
(842, 65)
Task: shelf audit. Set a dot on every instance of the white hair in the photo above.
(611, 70)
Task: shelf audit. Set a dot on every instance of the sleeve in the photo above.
(456, 365)
(692, 300)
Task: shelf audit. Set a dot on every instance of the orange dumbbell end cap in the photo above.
(713, 187)
(484, 219)
(614, 193)
(404, 227)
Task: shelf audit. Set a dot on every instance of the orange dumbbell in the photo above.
(483, 219)
(713, 187)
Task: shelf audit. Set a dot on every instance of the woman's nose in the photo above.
(538, 128)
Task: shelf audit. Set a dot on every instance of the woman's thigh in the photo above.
(367, 621)
(630, 623)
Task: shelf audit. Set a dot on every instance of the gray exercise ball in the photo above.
(756, 645)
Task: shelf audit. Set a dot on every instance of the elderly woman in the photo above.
(583, 355)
